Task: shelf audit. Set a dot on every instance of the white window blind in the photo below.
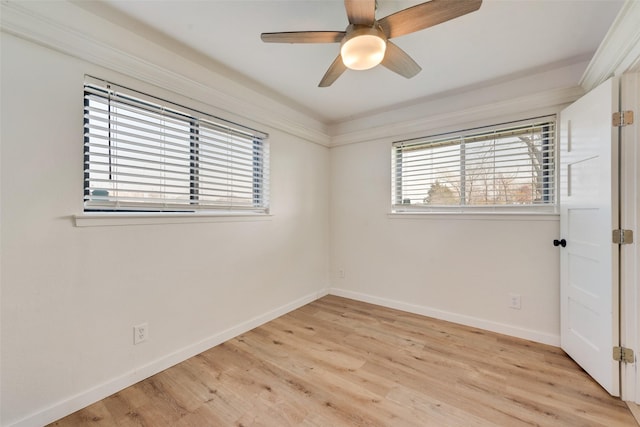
(503, 167)
(146, 154)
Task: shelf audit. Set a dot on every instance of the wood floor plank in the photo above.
(339, 362)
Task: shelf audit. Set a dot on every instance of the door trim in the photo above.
(630, 219)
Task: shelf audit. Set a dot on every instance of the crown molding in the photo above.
(619, 51)
(59, 31)
(541, 103)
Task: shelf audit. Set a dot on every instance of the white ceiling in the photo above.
(504, 39)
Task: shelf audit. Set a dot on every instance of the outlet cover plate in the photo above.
(515, 301)
(140, 333)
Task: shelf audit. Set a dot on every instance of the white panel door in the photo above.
(588, 214)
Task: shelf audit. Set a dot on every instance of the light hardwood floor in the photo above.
(338, 362)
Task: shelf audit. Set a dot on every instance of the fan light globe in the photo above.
(363, 52)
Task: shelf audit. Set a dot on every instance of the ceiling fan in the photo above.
(365, 42)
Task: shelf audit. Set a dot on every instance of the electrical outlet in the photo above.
(140, 333)
(341, 273)
(514, 301)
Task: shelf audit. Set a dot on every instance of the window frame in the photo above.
(549, 166)
(254, 144)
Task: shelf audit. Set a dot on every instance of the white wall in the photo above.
(460, 268)
(70, 295)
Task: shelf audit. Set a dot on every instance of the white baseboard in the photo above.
(489, 325)
(635, 411)
(87, 397)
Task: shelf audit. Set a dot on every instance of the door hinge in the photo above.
(622, 118)
(624, 355)
(622, 237)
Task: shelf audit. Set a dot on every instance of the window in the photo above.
(145, 154)
(504, 167)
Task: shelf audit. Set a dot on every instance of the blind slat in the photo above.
(102, 150)
(170, 137)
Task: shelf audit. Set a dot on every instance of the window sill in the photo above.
(102, 219)
(479, 216)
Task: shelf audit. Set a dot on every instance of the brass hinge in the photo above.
(622, 237)
(622, 354)
(622, 118)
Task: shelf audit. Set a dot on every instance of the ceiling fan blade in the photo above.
(303, 37)
(398, 61)
(361, 12)
(426, 15)
(335, 70)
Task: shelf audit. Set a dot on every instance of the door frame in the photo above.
(630, 219)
